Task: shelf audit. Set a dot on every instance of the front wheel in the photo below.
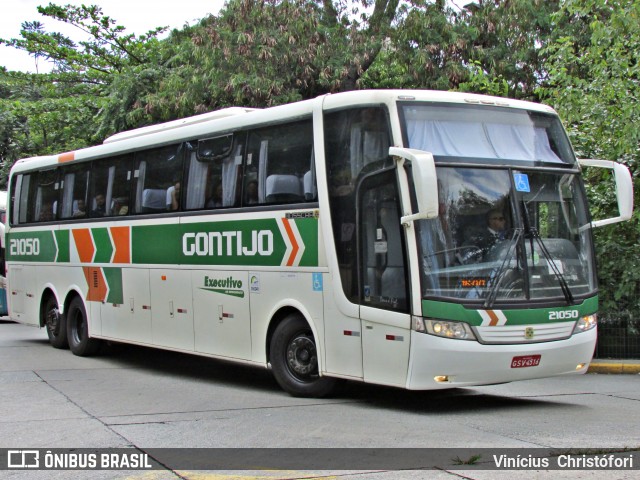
(294, 359)
(78, 330)
(55, 323)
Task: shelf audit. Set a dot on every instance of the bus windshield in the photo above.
(484, 134)
(507, 236)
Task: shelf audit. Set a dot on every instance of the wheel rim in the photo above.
(52, 319)
(77, 322)
(302, 357)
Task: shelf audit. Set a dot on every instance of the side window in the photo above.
(14, 213)
(356, 142)
(279, 165)
(21, 190)
(39, 197)
(214, 176)
(158, 179)
(75, 186)
(111, 187)
(384, 283)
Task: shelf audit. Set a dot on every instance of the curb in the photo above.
(632, 368)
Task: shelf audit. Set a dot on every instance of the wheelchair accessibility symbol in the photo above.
(522, 182)
(317, 282)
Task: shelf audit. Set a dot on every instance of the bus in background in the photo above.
(417, 239)
(4, 311)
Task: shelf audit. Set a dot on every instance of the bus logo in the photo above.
(227, 243)
(225, 286)
(529, 333)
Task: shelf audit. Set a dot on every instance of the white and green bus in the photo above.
(417, 239)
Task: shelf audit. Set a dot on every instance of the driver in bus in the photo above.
(484, 240)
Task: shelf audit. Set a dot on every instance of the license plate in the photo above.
(526, 361)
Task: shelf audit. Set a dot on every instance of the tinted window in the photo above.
(158, 180)
(214, 174)
(356, 143)
(38, 200)
(75, 186)
(279, 165)
(111, 186)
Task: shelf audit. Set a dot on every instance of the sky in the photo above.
(138, 16)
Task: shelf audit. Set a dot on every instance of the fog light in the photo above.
(580, 366)
(441, 378)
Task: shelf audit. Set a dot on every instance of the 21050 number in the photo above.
(564, 315)
(24, 246)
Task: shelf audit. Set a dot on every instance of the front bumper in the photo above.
(469, 363)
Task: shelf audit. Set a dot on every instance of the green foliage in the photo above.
(479, 81)
(593, 81)
(505, 41)
(67, 109)
(432, 43)
(107, 50)
(264, 53)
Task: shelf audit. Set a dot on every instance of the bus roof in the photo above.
(228, 119)
(182, 122)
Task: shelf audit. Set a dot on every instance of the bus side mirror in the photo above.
(624, 189)
(423, 169)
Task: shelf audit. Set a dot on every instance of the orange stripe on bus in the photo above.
(294, 243)
(121, 237)
(84, 244)
(97, 284)
(66, 157)
(494, 318)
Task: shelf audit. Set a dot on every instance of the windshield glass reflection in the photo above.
(496, 240)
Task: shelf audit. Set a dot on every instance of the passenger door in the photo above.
(384, 294)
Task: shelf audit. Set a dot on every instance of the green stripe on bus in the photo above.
(113, 277)
(31, 246)
(308, 228)
(243, 242)
(104, 247)
(452, 311)
(62, 239)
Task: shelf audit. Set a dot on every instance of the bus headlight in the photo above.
(442, 328)
(586, 323)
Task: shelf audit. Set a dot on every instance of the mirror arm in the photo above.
(424, 179)
(624, 189)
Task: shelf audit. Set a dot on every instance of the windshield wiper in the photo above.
(499, 276)
(566, 291)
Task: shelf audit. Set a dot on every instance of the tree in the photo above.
(268, 52)
(594, 83)
(106, 51)
(65, 109)
(40, 114)
(505, 44)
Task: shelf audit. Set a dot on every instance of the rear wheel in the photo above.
(294, 359)
(78, 330)
(54, 323)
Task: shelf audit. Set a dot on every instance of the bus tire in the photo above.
(55, 323)
(78, 330)
(294, 359)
